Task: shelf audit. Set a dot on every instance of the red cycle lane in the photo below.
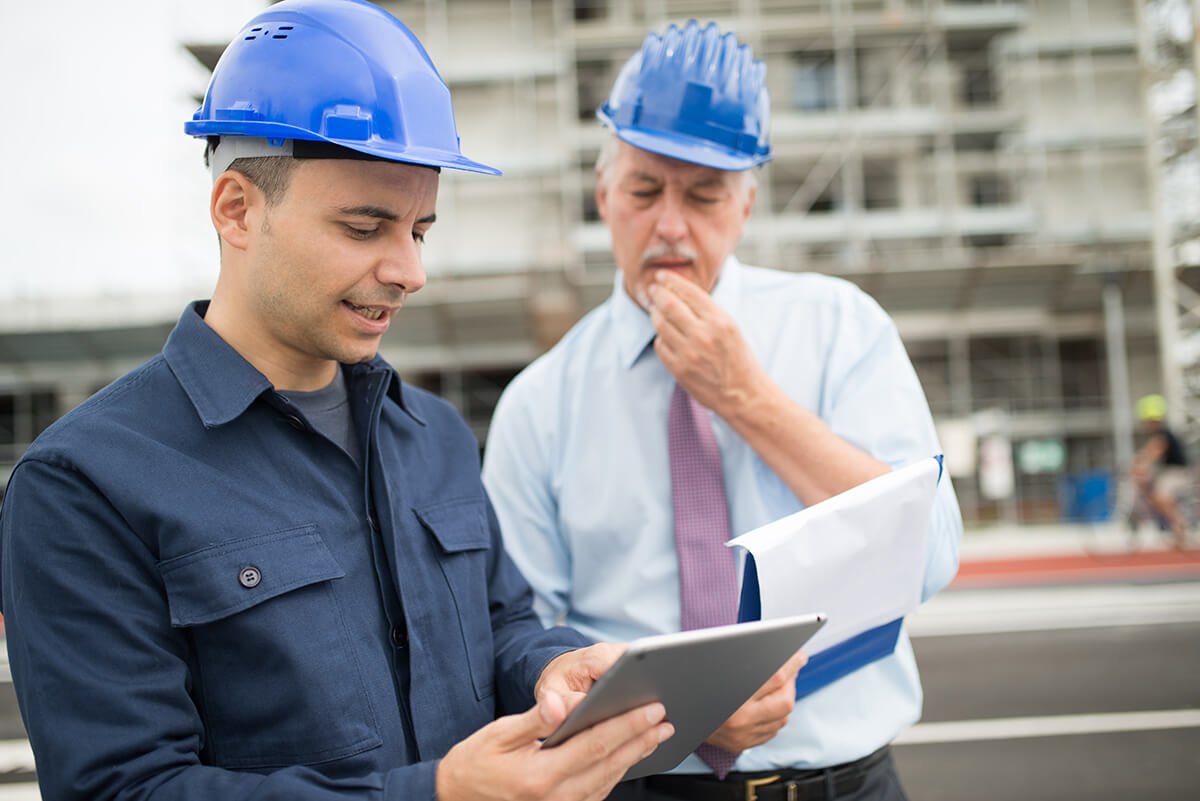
(1085, 567)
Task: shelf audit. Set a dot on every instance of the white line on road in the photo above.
(1052, 608)
(15, 756)
(1047, 726)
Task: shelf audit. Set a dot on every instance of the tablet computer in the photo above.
(701, 677)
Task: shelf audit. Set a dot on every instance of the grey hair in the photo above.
(608, 154)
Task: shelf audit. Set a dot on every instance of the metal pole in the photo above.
(1118, 376)
(1196, 57)
(1164, 267)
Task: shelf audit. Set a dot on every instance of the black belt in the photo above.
(785, 784)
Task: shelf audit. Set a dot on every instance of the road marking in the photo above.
(960, 731)
(15, 756)
(1052, 608)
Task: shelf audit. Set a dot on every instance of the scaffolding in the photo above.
(1169, 60)
(979, 167)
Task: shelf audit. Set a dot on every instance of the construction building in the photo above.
(986, 170)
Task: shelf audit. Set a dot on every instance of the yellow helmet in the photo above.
(1151, 407)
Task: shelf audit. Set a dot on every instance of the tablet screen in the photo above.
(701, 677)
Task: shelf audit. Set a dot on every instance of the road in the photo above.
(1038, 685)
(1083, 691)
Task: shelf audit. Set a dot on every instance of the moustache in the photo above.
(667, 251)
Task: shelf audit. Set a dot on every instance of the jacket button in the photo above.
(399, 635)
(249, 576)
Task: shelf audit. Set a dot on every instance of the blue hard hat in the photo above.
(344, 72)
(696, 95)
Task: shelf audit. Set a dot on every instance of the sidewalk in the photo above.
(1007, 555)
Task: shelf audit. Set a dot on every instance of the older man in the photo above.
(258, 567)
(703, 399)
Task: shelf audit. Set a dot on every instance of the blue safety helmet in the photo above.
(694, 95)
(344, 72)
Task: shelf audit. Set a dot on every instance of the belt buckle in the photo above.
(752, 786)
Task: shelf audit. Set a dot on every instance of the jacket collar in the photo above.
(221, 384)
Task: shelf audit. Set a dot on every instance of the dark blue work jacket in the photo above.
(207, 600)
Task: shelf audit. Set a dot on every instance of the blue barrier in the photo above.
(1086, 496)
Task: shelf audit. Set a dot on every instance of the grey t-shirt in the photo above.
(328, 410)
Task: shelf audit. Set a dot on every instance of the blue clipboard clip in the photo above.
(832, 663)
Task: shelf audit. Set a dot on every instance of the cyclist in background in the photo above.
(1160, 468)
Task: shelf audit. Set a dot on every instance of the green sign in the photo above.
(1041, 456)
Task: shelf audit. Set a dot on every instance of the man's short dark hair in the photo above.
(271, 174)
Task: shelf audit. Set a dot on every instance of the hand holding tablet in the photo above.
(701, 677)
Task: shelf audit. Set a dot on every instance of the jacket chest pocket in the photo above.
(278, 680)
(463, 543)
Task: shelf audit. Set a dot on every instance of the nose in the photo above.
(671, 225)
(401, 266)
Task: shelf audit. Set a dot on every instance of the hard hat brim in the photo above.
(688, 148)
(428, 157)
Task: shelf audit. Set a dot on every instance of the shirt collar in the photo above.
(221, 384)
(634, 332)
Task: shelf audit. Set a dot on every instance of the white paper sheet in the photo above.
(858, 557)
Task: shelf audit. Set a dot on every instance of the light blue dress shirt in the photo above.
(577, 468)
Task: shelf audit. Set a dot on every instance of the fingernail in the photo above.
(655, 713)
(643, 299)
(665, 732)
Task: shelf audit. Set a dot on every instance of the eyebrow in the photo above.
(381, 213)
(369, 211)
(703, 183)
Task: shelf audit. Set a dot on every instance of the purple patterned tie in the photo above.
(707, 569)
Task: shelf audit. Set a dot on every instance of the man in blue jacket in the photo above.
(258, 566)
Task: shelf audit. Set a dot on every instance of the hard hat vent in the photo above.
(256, 33)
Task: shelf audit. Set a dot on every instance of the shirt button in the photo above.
(399, 635)
(373, 521)
(249, 576)
(295, 422)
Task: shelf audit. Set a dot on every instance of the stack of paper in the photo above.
(858, 557)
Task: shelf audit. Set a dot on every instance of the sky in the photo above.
(104, 195)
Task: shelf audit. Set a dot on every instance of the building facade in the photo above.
(980, 168)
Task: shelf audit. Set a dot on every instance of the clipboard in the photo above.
(829, 664)
(701, 677)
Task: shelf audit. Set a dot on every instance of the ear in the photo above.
(601, 195)
(750, 196)
(236, 207)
